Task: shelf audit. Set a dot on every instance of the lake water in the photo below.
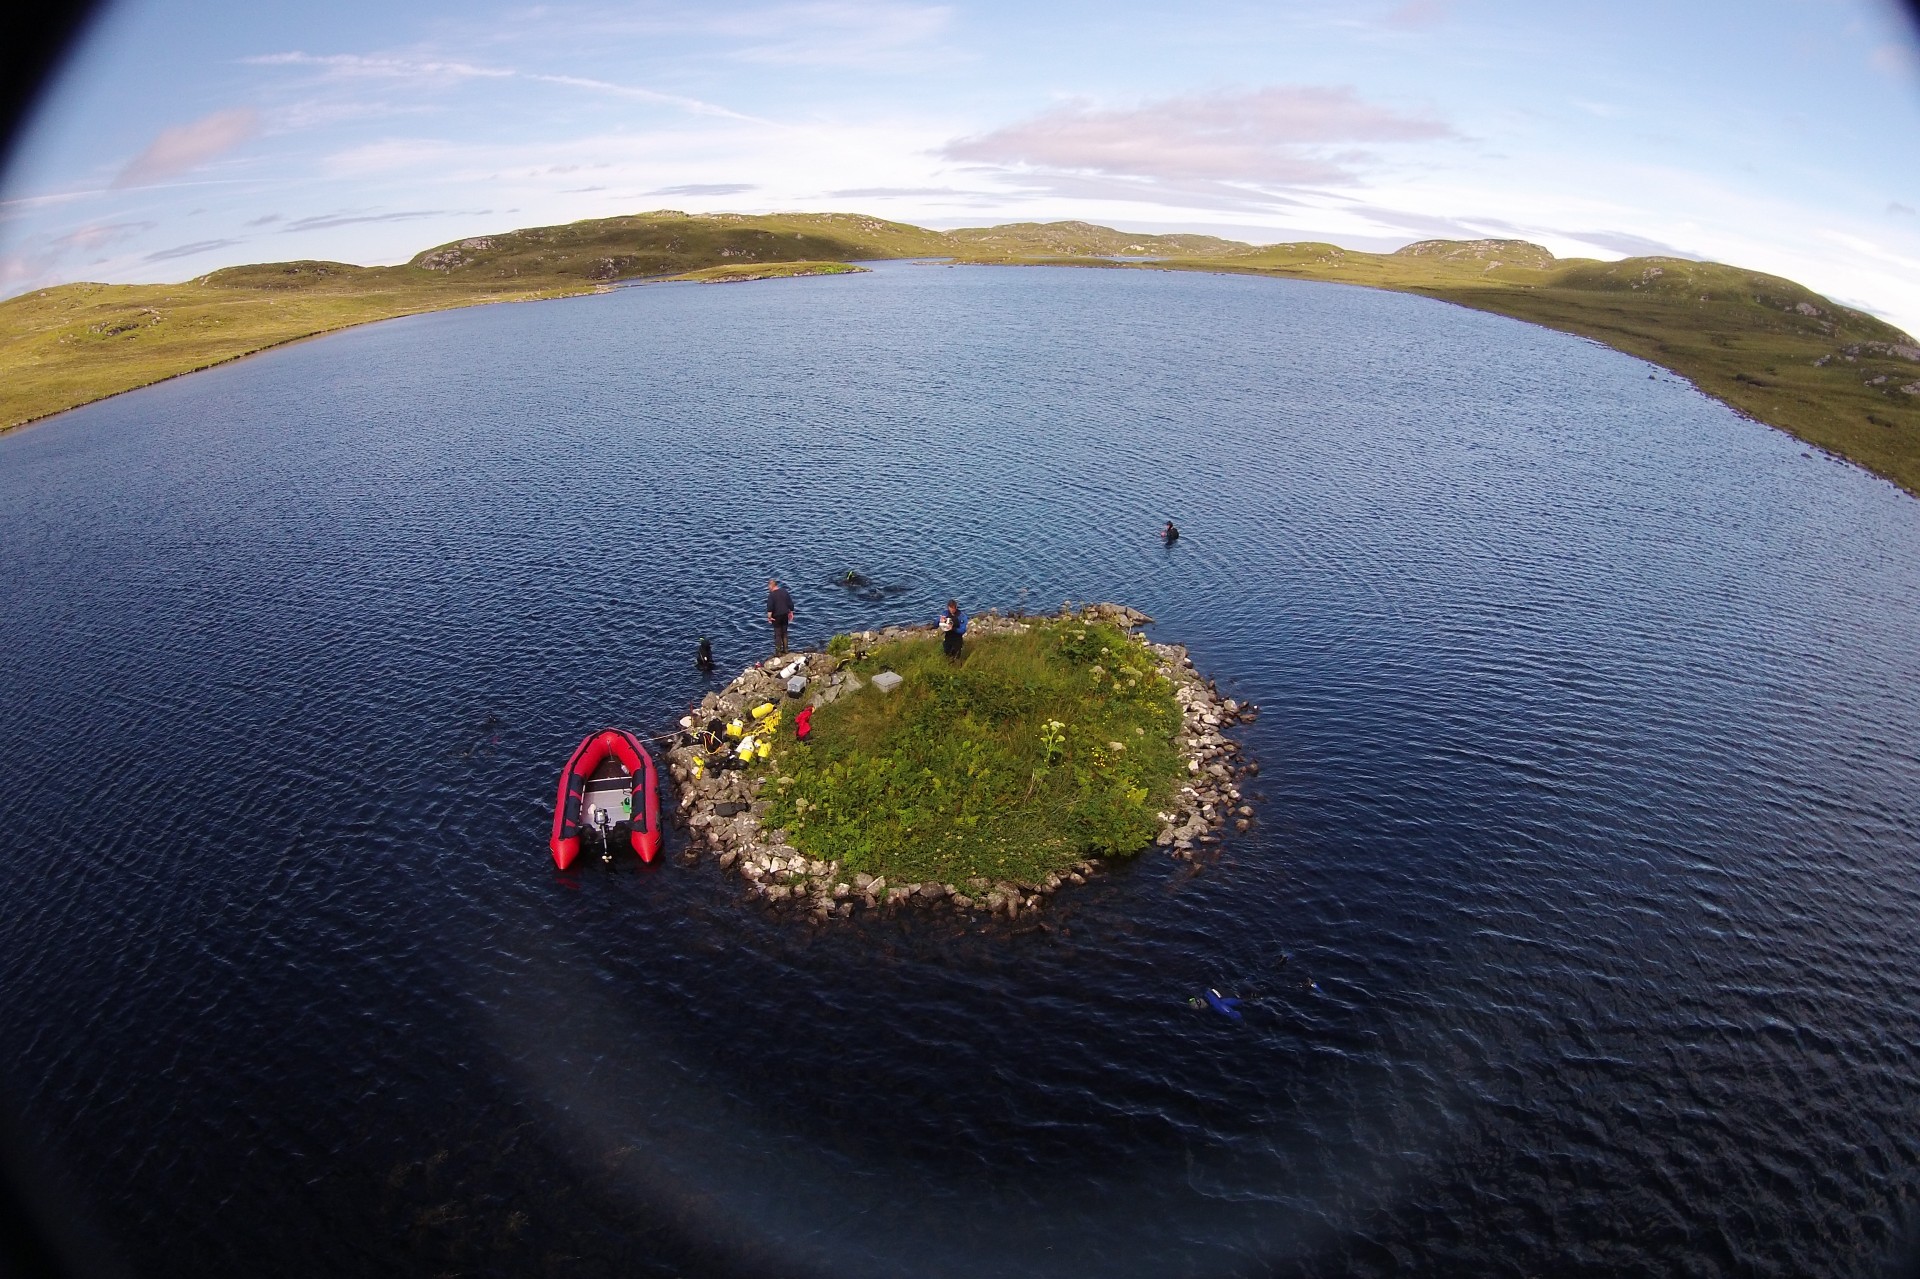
(1580, 929)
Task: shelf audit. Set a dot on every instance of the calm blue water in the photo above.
(1590, 800)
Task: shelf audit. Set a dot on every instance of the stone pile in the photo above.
(721, 808)
(1210, 800)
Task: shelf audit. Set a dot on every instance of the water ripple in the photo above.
(1577, 933)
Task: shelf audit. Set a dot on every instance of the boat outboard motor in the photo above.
(605, 826)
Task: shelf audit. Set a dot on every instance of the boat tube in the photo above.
(607, 789)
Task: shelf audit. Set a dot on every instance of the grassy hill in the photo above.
(1772, 349)
(1019, 240)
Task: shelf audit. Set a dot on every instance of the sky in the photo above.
(1780, 135)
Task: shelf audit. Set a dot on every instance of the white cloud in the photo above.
(188, 146)
(1276, 135)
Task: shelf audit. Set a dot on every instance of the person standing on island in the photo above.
(953, 629)
(779, 612)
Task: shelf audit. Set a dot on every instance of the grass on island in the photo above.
(742, 272)
(1830, 375)
(1037, 749)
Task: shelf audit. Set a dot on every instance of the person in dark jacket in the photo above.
(953, 629)
(704, 657)
(1169, 534)
(780, 611)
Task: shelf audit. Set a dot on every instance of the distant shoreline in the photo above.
(1833, 378)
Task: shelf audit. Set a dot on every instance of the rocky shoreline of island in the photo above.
(721, 799)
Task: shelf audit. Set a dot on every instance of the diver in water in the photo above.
(704, 658)
(1169, 534)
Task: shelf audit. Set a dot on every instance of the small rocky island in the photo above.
(878, 773)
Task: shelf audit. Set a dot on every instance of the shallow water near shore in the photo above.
(1579, 933)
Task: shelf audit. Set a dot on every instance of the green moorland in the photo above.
(1772, 349)
(1035, 750)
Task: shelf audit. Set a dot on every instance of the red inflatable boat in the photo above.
(608, 791)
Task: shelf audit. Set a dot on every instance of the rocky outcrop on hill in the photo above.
(1494, 252)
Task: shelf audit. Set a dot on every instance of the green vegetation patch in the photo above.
(1036, 749)
(741, 272)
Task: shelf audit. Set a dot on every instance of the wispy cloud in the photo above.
(99, 235)
(1427, 225)
(188, 146)
(323, 222)
(1634, 246)
(1277, 135)
(884, 193)
(1895, 60)
(705, 188)
(45, 259)
(393, 155)
(1869, 249)
(1168, 193)
(443, 70)
(862, 36)
(189, 250)
(1417, 14)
